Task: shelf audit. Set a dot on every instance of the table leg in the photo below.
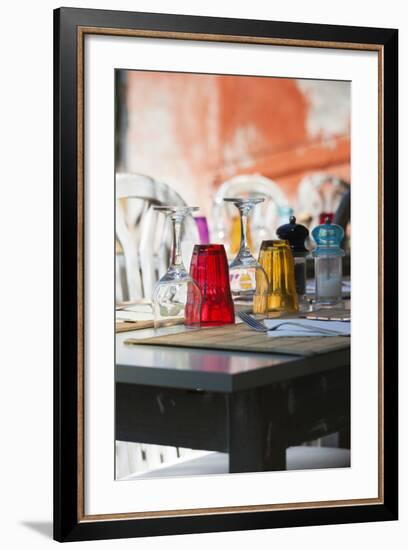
(255, 443)
(344, 438)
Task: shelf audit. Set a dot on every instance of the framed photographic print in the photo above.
(225, 274)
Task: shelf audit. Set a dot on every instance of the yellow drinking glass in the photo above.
(276, 258)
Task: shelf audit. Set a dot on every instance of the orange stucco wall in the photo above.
(195, 131)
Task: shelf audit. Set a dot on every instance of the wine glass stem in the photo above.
(244, 248)
(176, 257)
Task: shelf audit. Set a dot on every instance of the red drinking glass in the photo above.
(209, 269)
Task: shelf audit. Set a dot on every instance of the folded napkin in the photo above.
(342, 328)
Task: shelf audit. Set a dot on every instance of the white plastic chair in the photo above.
(317, 193)
(144, 235)
(264, 218)
(210, 463)
(143, 459)
(145, 239)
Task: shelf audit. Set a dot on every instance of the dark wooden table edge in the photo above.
(226, 382)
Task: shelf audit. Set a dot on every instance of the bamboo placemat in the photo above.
(242, 338)
(127, 326)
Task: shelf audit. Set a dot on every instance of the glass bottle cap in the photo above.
(296, 234)
(328, 237)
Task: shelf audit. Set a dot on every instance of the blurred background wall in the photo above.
(195, 131)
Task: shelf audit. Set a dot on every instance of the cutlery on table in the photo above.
(260, 326)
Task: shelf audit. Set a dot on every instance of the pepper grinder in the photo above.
(328, 264)
(296, 235)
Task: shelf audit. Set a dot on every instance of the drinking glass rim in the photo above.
(242, 200)
(210, 247)
(274, 243)
(175, 209)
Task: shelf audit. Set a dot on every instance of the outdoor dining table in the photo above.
(250, 405)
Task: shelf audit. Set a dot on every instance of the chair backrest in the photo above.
(264, 218)
(317, 193)
(144, 234)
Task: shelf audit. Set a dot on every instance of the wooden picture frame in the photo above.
(71, 25)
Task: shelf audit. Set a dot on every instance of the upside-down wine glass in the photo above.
(248, 279)
(176, 286)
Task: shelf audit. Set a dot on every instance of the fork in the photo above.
(260, 327)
